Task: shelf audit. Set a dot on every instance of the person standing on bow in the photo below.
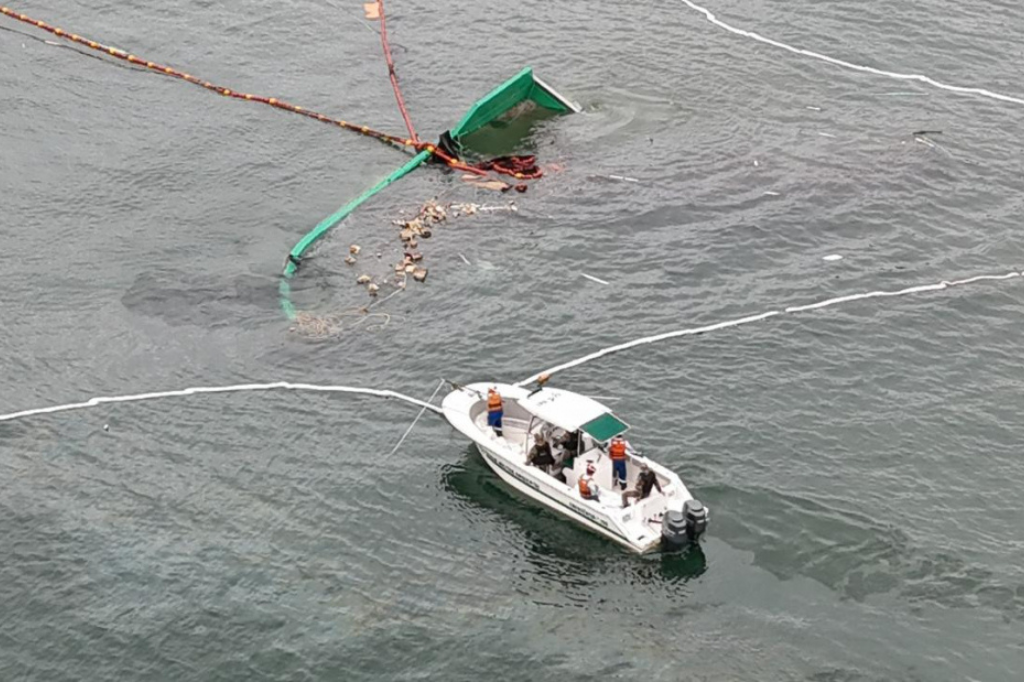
(495, 410)
(617, 453)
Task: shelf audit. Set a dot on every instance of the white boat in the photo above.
(671, 516)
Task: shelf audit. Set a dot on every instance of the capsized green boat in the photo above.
(522, 96)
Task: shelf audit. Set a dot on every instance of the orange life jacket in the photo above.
(493, 401)
(617, 450)
(584, 486)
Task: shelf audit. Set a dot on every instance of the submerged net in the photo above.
(524, 98)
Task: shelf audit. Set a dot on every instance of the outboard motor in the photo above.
(673, 529)
(681, 527)
(696, 519)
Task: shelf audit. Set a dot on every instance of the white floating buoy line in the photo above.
(427, 405)
(945, 284)
(198, 390)
(959, 89)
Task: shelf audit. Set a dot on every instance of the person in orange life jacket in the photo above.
(617, 452)
(644, 482)
(588, 488)
(494, 410)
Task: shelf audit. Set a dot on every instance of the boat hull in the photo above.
(572, 510)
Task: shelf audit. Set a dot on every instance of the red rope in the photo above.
(520, 167)
(391, 72)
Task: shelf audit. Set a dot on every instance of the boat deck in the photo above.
(515, 434)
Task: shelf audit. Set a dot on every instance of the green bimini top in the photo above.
(605, 427)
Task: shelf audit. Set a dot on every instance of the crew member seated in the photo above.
(570, 443)
(540, 454)
(588, 487)
(644, 482)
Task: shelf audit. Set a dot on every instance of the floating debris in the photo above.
(510, 207)
(354, 249)
(323, 326)
(373, 289)
(364, 279)
(472, 209)
(623, 178)
(593, 279)
(495, 185)
(350, 260)
(832, 257)
(431, 214)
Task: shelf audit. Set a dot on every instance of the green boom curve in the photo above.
(330, 221)
(500, 102)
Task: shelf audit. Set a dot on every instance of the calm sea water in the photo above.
(862, 462)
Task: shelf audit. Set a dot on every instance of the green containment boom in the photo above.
(520, 94)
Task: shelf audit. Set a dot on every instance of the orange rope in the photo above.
(450, 160)
(270, 101)
(174, 73)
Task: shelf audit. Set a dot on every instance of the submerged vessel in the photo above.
(669, 516)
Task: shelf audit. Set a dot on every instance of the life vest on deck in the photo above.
(493, 401)
(617, 450)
